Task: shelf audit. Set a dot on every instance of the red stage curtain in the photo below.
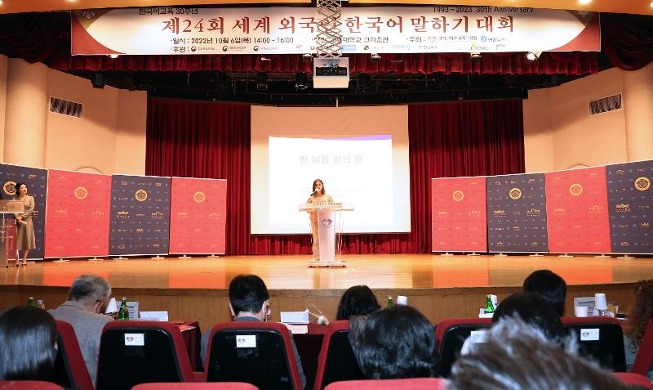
(198, 139)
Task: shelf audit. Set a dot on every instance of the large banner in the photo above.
(140, 215)
(198, 215)
(577, 211)
(36, 181)
(516, 212)
(294, 30)
(630, 199)
(77, 214)
(458, 216)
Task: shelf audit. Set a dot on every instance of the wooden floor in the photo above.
(440, 286)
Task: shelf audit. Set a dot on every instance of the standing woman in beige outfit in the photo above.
(318, 195)
(25, 240)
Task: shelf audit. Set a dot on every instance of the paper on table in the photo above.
(112, 307)
(154, 315)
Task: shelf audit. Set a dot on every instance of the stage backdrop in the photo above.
(140, 215)
(36, 181)
(516, 213)
(631, 207)
(77, 214)
(458, 214)
(198, 215)
(577, 211)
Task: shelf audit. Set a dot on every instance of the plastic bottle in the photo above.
(489, 307)
(123, 313)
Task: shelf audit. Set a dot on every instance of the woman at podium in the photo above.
(25, 240)
(318, 195)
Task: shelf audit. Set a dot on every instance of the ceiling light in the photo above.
(114, 56)
(301, 81)
(474, 55)
(307, 57)
(375, 57)
(262, 81)
(533, 55)
(584, 1)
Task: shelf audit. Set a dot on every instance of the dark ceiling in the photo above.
(45, 38)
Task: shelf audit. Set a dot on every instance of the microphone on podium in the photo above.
(315, 191)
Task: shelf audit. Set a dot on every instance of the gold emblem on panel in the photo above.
(458, 195)
(81, 193)
(642, 183)
(140, 195)
(199, 197)
(9, 188)
(515, 193)
(575, 189)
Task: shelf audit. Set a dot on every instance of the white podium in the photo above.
(329, 224)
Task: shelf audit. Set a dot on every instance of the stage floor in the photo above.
(292, 272)
(440, 286)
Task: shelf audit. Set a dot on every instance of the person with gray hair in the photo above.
(517, 355)
(87, 300)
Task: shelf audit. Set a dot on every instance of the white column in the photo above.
(26, 113)
(638, 113)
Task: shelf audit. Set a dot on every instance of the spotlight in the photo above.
(375, 57)
(114, 56)
(475, 55)
(262, 81)
(301, 81)
(533, 55)
(307, 57)
(97, 80)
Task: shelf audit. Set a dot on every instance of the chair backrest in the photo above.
(336, 361)
(644, 359)
(28, 385)
(634, 381)
(133, 352)
(600, 339)
(69, 368)
(196, 386)
(391, 384)
(260, 353)
(451, 333)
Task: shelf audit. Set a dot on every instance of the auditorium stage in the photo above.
(440, 286)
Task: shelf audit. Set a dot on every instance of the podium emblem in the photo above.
(326, 222)
(642, 183)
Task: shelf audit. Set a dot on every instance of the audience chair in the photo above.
(133, 352)
(600, 339)
(260, 353)
(336, 361)
(69, 367)
(451, 333)
(28, 385)
(196, 386)
(634, 381)
(644, 359)
(391, 384)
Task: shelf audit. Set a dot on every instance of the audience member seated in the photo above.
(394, 343)
(535, 311)
(520, 356)
(638, 317)
(249, 301)
(87, 300)
(357, 301)
(28, 344)
(550, 286)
